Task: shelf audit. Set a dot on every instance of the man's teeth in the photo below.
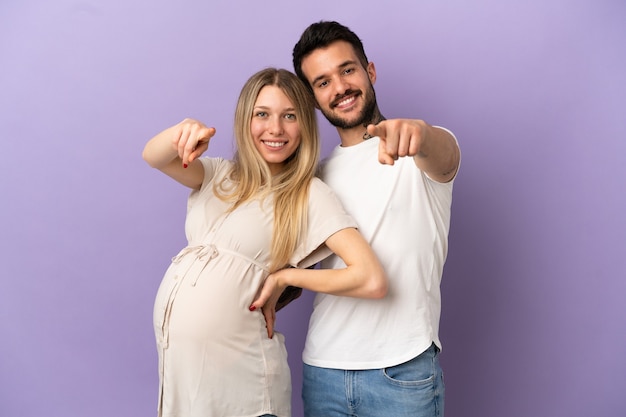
(346, 101)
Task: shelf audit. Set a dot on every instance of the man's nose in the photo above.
(341, 86)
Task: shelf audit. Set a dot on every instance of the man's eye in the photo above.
(323, 84)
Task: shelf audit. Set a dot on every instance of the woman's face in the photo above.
(275, 129)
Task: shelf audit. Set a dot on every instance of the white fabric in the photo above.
(215, 358)
(405, 216)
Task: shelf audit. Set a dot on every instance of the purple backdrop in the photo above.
(534, 317)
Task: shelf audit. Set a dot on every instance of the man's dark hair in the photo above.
(320, 35)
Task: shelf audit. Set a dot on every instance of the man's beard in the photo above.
(365, 115)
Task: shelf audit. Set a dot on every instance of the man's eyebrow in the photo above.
(342, 65)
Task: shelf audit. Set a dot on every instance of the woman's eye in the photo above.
(260, 114)
(290, 116)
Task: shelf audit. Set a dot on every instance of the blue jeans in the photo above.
(412, 389)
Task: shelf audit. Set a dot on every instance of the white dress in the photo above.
(215, 358)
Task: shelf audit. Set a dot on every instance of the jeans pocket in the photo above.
(417, 372)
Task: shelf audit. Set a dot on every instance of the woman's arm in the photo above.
(363, 276)
(175, 151)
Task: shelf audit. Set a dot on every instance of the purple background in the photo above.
(534, 316)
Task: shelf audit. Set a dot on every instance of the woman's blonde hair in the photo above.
(251, 174)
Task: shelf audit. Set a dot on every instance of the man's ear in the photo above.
(371, 72)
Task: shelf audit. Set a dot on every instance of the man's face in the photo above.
(343, 88)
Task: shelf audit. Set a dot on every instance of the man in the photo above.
(378, 357)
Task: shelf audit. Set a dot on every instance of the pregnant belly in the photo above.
(209, 304)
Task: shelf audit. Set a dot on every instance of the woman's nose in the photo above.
(275, 127)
